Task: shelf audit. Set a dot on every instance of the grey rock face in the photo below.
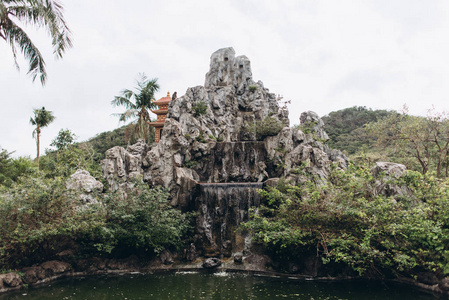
(121, 165)
(228, 70)
(384, 171)
(312, 121)
(86, 185)
(222, 207)
(389, 169)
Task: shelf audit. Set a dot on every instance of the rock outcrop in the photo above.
(386, 173)
(85, 185)
(231, 130)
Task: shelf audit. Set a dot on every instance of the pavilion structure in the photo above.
(161, 113)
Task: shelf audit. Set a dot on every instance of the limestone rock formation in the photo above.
(231, 130)
(86, 186)
(121, 165)
(386, 171)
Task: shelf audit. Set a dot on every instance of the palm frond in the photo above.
(40, 13)
(130, 113)
(123, 101)
(48, 14)
(16, 36)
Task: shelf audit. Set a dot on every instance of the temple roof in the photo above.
(163, 100)
(157, 123)
(160, 111)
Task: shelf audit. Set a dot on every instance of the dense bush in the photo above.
(260, 129)
(12, 168)
(36, 215)
(268, 126)
(344, 221)
(140, 221)
(39, 217)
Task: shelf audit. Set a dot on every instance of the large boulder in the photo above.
(389, 169)
(85, 185)
(121, 165)
(211, 263)
(10, 280)
(386, 173)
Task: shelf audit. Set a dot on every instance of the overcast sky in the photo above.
(321, 55)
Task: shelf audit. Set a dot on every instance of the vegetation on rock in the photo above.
(200, 108)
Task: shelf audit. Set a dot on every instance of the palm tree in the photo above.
(143, 101)
(41, 119)
(40, 13)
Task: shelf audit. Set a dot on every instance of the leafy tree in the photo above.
(42, 118)
(425, 139)
(40, 13)
(64, 139)
(12, 168)
(66, 161)
(137, 104)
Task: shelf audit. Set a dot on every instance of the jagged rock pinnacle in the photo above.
(227, 70)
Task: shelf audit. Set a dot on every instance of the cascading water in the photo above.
(222, 207)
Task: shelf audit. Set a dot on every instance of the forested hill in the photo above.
(345, 128)
(108, 139)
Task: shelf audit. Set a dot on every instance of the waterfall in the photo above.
(222, 207)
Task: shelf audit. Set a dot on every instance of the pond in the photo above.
(224, 286)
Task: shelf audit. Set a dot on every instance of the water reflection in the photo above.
(220, 286)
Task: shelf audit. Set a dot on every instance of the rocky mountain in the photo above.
(230, 132)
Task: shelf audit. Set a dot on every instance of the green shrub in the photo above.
(200, 108)
(269, 126)
(252, 88)
(66, 161)
(39, 218)
(36, 216)
(11, 169)
(144, 220)
(200, 138)
(190, 164)
(345, 222)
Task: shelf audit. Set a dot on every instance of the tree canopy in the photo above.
(424, 139)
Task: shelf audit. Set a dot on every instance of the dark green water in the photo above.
(219, 286)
